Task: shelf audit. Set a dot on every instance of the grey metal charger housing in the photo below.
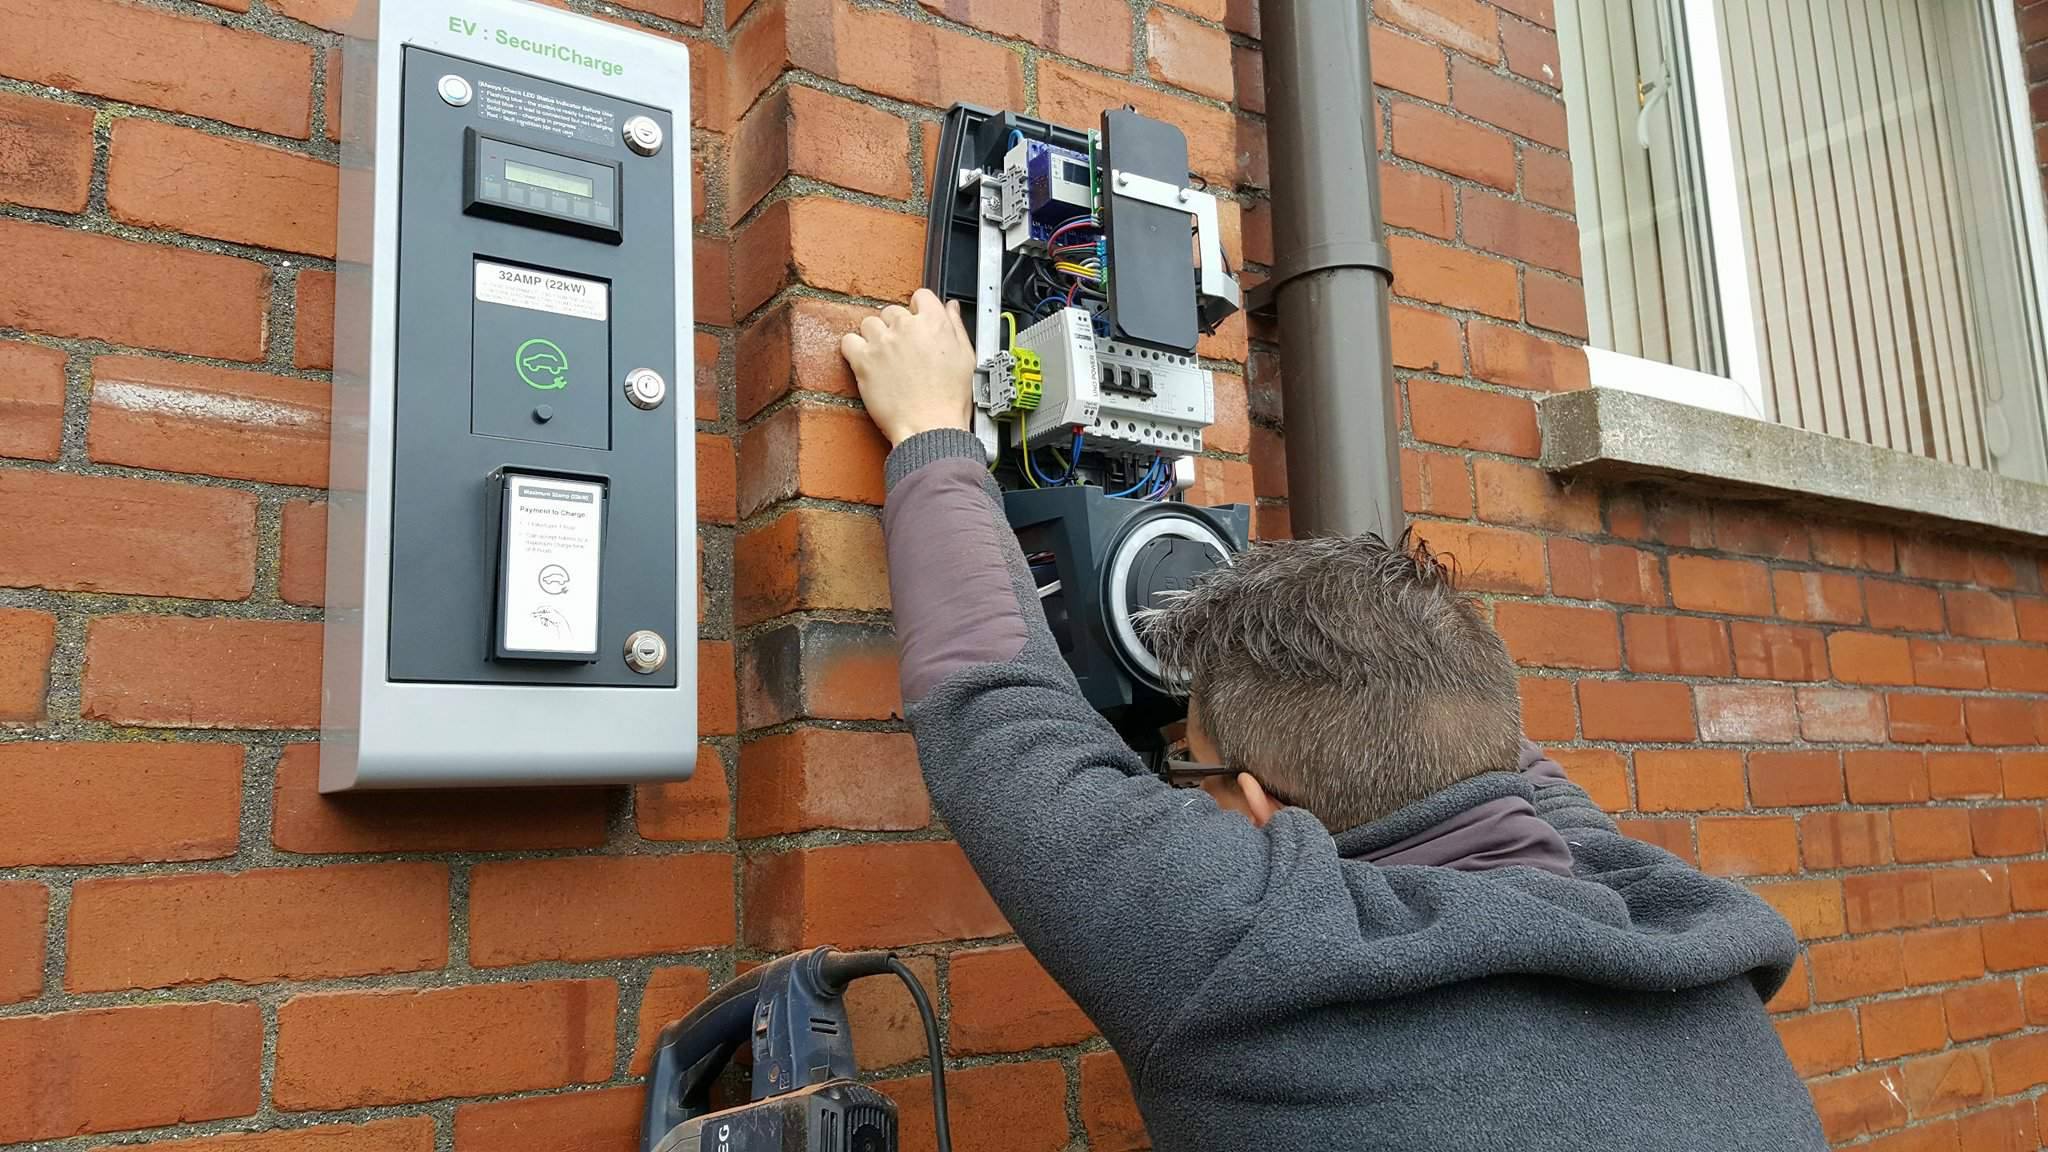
(412, 696)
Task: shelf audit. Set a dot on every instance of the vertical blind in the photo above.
(1649, 281)
(1889, 272)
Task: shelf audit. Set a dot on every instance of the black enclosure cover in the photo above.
(1151, 262)
(973, 138)
(1071, 534)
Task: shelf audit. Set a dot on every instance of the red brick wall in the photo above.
(1843, 715)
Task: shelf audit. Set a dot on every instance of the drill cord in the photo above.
(938, 1056)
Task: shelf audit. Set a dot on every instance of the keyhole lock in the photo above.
(646, 652)
(643, 135)
(645, 388)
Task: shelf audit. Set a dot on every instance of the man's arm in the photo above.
(1128, 891)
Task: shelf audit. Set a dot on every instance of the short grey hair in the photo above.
(1347, 674)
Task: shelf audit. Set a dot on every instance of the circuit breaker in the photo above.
(1091, 263)
(511, 528)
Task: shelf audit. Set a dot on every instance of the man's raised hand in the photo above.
(915, 367)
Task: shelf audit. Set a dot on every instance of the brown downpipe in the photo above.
(1331, 272)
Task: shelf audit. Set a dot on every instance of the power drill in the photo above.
(804, 1096)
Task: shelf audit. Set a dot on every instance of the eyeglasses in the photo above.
(1190, 774)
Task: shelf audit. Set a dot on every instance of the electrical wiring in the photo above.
(1039, 288)
(1144, 481)
(1030, 468)
(1024, 452)
(1071, 225)
(942, 1127)
(1148, 481)
(1165, 486)
(1061, 457)
(1043, 481)
(1094, 195)
(1055, 259)
(1012, 274)
(1069, 469)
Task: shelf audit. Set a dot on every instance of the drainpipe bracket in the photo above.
(1261, 298)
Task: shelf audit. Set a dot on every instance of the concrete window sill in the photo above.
(1607, 432)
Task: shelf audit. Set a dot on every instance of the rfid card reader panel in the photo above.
(511, 552)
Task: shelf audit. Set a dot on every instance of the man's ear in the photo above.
(1257, 804)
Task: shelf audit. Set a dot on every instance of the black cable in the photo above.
(938, 1056)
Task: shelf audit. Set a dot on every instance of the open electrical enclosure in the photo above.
(1090, 267)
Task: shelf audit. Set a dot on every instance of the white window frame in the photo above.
(1741, 391)
(2033, 201)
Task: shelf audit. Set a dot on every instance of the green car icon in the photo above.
(542, 365)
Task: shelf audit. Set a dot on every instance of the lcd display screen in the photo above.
(546, 178)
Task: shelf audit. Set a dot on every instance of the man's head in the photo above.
(1347, 675)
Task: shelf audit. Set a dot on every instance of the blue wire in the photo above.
(1165, 487)
(1031, 462)
(1015, 136)
(1148, 480)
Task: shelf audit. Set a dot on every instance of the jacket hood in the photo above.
(1513, 873)
(1472, 829)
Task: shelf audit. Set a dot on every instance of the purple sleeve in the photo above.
(949, 574)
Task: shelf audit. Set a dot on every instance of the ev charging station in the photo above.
(511, 526)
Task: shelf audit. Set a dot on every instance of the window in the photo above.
(1823, 213)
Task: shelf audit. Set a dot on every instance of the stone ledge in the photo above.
(1607, 432)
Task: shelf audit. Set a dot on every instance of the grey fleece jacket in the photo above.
(1276, 988)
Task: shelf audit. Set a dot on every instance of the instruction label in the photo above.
(542, 291)
(544, 113)
(554, 550)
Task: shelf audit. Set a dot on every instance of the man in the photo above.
(1392, 925)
